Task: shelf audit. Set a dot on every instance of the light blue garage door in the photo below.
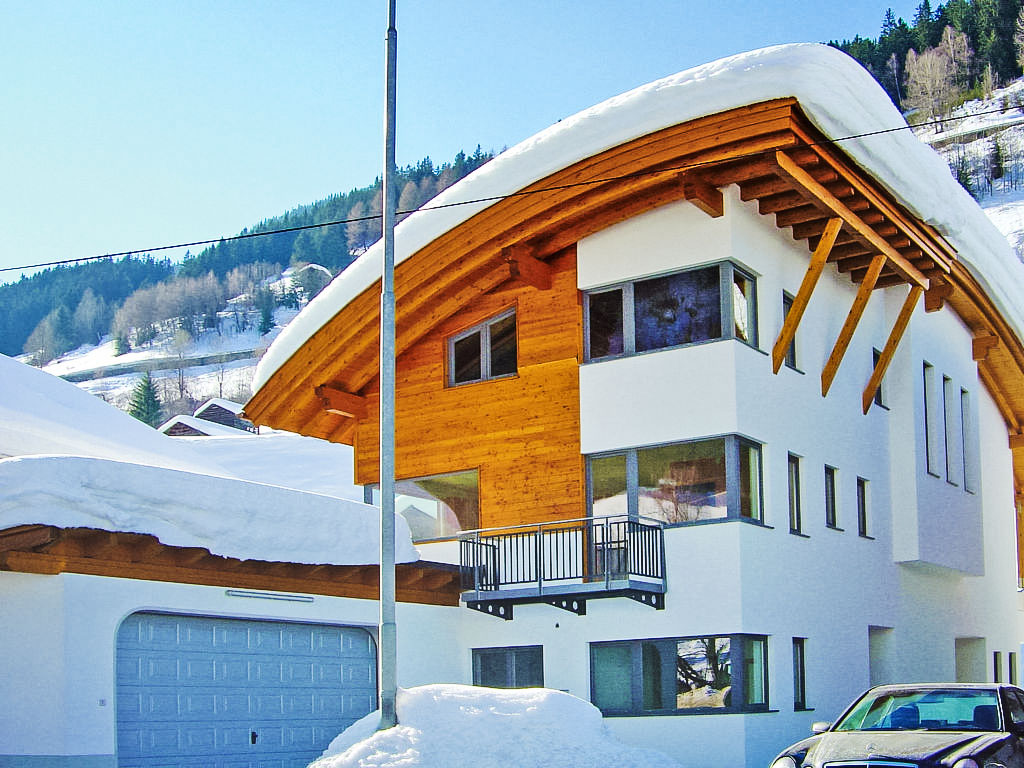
(225, 693)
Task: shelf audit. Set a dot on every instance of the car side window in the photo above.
(1014, 708)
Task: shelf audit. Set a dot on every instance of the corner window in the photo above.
(521, 667)
(485, 351)
(680, 675)
(793, 474)
(689, 307)
(439, 506)
(688, 482)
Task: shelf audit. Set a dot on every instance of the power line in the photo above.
(491, 199)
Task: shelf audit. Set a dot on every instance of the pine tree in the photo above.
(145, 404)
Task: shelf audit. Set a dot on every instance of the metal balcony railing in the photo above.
(551, 562)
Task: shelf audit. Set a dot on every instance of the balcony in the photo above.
(563, 563)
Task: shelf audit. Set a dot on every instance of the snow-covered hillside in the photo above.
(983, 142)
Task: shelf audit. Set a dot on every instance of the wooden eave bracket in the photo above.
(703, 195)
(982, 344)
(527, 268)
(899, 327)
(935, 297)
(1016, 441)
(819, 194)
(803, 296)
(343, 403)
(828, 373)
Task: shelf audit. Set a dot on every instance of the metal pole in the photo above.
(388, 633)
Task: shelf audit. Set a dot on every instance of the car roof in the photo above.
(950, 686)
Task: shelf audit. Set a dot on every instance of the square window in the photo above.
(485, 351)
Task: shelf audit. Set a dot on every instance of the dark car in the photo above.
(953, 725)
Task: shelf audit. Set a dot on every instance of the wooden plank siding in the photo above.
(522, 432)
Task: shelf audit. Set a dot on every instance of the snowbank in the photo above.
(228, 517)
(448, 726)
(835, 92)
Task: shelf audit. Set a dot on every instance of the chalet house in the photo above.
(716, 401)
(208, 419)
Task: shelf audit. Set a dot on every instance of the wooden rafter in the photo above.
(815, 191)
(898, 329)
(526, 268)
(706, 197)
(982, 344)
(343, 403)
(860, 302)
(803, 296)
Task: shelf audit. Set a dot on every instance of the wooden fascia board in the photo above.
(816, 191)
(898, 329)
(340, 402)
(860, 302)
(803, 296)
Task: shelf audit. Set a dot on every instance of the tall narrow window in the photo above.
(485, 351)
(951, 414)
(879, 396)
(794, 494)
(744, 311)
(1012, 667)
(799, 673)
(831, 512)
(755, 667)
(931, 422)
(606, 334)
(997, 666)
(750, 480)
(966, 441)
(787, 304)
(862, 507)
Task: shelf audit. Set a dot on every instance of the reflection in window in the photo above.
(690, 674)
(696, 305)
(680, 482)
(520, 667)
(437, 507)
(486, 351)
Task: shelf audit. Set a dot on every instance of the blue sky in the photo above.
(130, 125)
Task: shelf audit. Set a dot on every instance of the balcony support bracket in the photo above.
(501, 609)
(571, 604)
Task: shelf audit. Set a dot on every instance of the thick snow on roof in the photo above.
(216, 493)
(227, 405)
(281, 458)
(444, 726)
(200, 425)
(835, 92)
(228, 517)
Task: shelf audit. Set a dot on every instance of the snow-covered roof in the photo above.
(78, 462)
(231, 518)
(228, 405)
(833, 90)
(203, 426)
(443, 725)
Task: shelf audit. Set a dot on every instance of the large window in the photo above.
(438, 507)
(676, 675)
(680, 482)
(521, 667)
(485, 351)
(703, 304)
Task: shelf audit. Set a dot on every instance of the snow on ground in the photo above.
(450, 726)
(1006, 211)
(1004, 107)
(834, 91)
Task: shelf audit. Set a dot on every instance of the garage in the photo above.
(232, 693)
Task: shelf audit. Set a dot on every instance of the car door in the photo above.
(1012, 755)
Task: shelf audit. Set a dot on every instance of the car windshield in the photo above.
(941, 709)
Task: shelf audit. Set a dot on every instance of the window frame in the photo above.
(733, 446)
(727, 269)
(790, 360)
(832, 498)
(486, 350)
(931, 434)
(863, 504)
(879, 396)
(509, 652)
(800, 674)
(793, 486)
(741, 658)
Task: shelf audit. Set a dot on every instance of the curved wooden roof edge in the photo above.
(743, 146)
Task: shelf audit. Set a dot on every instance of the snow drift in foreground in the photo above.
(231, 518)
(447, 726)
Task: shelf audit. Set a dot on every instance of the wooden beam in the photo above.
(27, 537)
(526, 268)
(343, 403)
(982, 344)
(828, 373)
(803, 296)
(898, 329)
(1016, 441)
(706, 197)
(817, 191)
